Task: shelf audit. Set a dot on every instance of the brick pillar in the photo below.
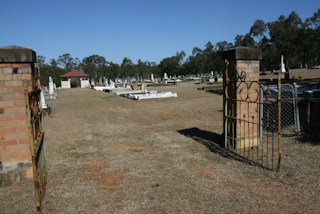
(16, 67)
(242, 86)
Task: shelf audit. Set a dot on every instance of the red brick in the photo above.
(6, 90)
(7, 103)
(13, 84)
(18, 135)
(21, 116)
(17, 123)
(19, 90)
(7, 70)
(8, 142)
(6, 77)
(14, 65)
(3, 123)
(3, 136)
(25, 153)
(26, 69)
(3, 65)
(14, 110)
(15, 96)
(22, 129)
(20, 103)
(2, 98)
(22, 77)
(1, 83)
(10, 155)
(23, 141)
(7, 130)
(7, 117)
(20, 148)
(3, 149)
(23, 159)
(1, 110)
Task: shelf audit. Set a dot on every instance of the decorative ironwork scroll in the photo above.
(250, 130)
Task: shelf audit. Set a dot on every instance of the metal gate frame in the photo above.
(36, 137)
(264, 151)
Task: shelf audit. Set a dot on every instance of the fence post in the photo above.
(296, 108)
(261, 113)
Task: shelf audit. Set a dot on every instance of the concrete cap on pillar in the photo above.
(242, 53)
(17, 54)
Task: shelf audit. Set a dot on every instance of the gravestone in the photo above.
(51, 88)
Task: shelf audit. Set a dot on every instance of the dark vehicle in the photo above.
(272, 90)
(311, 89)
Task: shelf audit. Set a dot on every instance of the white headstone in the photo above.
(152, 78)
(43, 99)
(282, 67)
(112, 84)
(165, 76)
(51, 89)
(142, 87)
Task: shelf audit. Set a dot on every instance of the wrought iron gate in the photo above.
(250, 130)
(36, 137)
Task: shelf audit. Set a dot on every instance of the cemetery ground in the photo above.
(109, 154)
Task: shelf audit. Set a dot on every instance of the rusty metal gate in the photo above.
(36, 137)
(249, 128)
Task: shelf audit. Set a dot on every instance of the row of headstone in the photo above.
(48, 94)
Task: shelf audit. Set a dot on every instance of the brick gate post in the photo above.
(16, 67)
(241, 91)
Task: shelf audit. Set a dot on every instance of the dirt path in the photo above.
(108, 154)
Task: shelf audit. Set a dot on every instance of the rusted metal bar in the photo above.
(33, 152)
(36, 138)
(279, 121)
(226, 106)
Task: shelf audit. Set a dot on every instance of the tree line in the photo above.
(297, 40)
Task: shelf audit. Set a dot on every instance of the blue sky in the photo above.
(137, 29)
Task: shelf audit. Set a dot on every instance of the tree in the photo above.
(53, 63)
(220, 46)
(95, 66)
(257, 31)
(41, 60)
(94, 59)
(245, 40)
(67, 62)
(313, 41)
(54, 72)
(284, 35)
(126, 68)
(112, 70)
(258, 28)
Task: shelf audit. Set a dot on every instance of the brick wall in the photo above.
(14, 139)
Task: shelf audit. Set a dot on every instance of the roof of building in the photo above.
(74, 73)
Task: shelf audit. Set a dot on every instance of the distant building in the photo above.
(75, 79)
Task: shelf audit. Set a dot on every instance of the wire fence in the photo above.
(289, 107)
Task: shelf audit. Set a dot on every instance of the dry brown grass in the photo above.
(304, 73)
(108, 154)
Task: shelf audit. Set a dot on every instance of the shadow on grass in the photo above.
(215, 91)
(310, 136)
(214, 142)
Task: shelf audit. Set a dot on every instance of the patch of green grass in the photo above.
(136, 150)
